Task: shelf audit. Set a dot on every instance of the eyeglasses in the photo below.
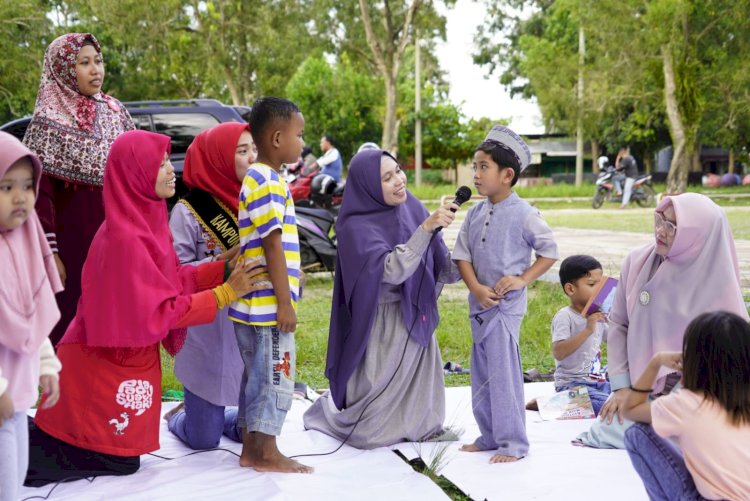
(661, 221)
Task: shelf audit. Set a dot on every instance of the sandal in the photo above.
(454, 368)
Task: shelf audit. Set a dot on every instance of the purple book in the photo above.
(603, 297)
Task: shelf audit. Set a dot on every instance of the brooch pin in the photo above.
(644, 298)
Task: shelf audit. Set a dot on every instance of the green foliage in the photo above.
(25, 32)
(623, 69)
(338, 100)
(231, 50)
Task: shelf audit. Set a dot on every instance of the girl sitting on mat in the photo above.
(708, 418)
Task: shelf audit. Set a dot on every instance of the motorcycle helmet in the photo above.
(603, 162)
(323, 184)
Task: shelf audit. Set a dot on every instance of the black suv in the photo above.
(181, 120)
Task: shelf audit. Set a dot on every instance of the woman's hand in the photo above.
(231, 255)
(51, 389)
(248, 277)
(60, 268)
(614, 406)
(441, 218)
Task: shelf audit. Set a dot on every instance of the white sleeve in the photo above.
(49, 364)
(3, 383)
(328, 157)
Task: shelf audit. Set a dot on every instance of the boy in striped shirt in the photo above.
(264, 321)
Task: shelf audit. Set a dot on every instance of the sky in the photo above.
(478, 95)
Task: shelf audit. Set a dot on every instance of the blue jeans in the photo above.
(598, 392)
(201, 424)
(268, 380)
(660, 465)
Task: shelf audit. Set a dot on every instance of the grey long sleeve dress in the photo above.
(412, 406)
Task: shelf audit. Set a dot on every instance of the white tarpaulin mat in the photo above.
(553, 470)
(348, 474)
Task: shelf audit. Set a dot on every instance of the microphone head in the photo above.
(462, 195)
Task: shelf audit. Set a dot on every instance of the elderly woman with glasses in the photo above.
(689, 269)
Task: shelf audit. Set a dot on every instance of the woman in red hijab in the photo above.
(135, 295)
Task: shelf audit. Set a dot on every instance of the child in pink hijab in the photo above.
(28, 311)
(691, 268)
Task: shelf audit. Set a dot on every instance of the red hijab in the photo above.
(209, 163)
(131, 277)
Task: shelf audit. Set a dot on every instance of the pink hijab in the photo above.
(28, 275)
(71, 133)
(131, 276)
(699, 274)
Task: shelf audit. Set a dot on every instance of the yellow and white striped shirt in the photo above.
(266, 205)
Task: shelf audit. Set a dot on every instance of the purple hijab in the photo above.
(367, 231)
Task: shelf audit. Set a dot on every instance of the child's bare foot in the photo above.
(499, 458)
(174, 411)
(470, 448)
(259, 451)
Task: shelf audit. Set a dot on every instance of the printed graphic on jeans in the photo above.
(120, 426)
(136, 394)
(284, 367)
(281, 365)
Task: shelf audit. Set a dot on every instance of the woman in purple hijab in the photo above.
(382, 352)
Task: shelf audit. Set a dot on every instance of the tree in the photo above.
(378, 34)
(659, 58)
(387, 51)
(233, 50)
(25, 32)
(337, 99)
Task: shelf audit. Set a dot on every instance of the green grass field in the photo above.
(563, 190)
(453, 333)
(635, 221)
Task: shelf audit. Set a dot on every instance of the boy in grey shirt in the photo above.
(576, 340)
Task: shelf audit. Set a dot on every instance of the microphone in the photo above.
(463, 194)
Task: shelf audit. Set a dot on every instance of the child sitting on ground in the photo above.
(577, 339)
(693, 442)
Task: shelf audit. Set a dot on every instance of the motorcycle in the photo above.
(310, 190)
(643, 193)
(316, 245)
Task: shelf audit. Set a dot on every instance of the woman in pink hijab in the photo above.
(691, 268)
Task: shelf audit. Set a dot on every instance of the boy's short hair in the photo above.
(329, 138)
(502, 156)
(268, 110)
(574, 267)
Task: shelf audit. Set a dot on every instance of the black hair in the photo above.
(574, 267)
(716, 362)
(503, 157)
(266, 111)
(329, 138)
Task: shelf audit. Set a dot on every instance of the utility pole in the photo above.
(579, 102)
(417, 112)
